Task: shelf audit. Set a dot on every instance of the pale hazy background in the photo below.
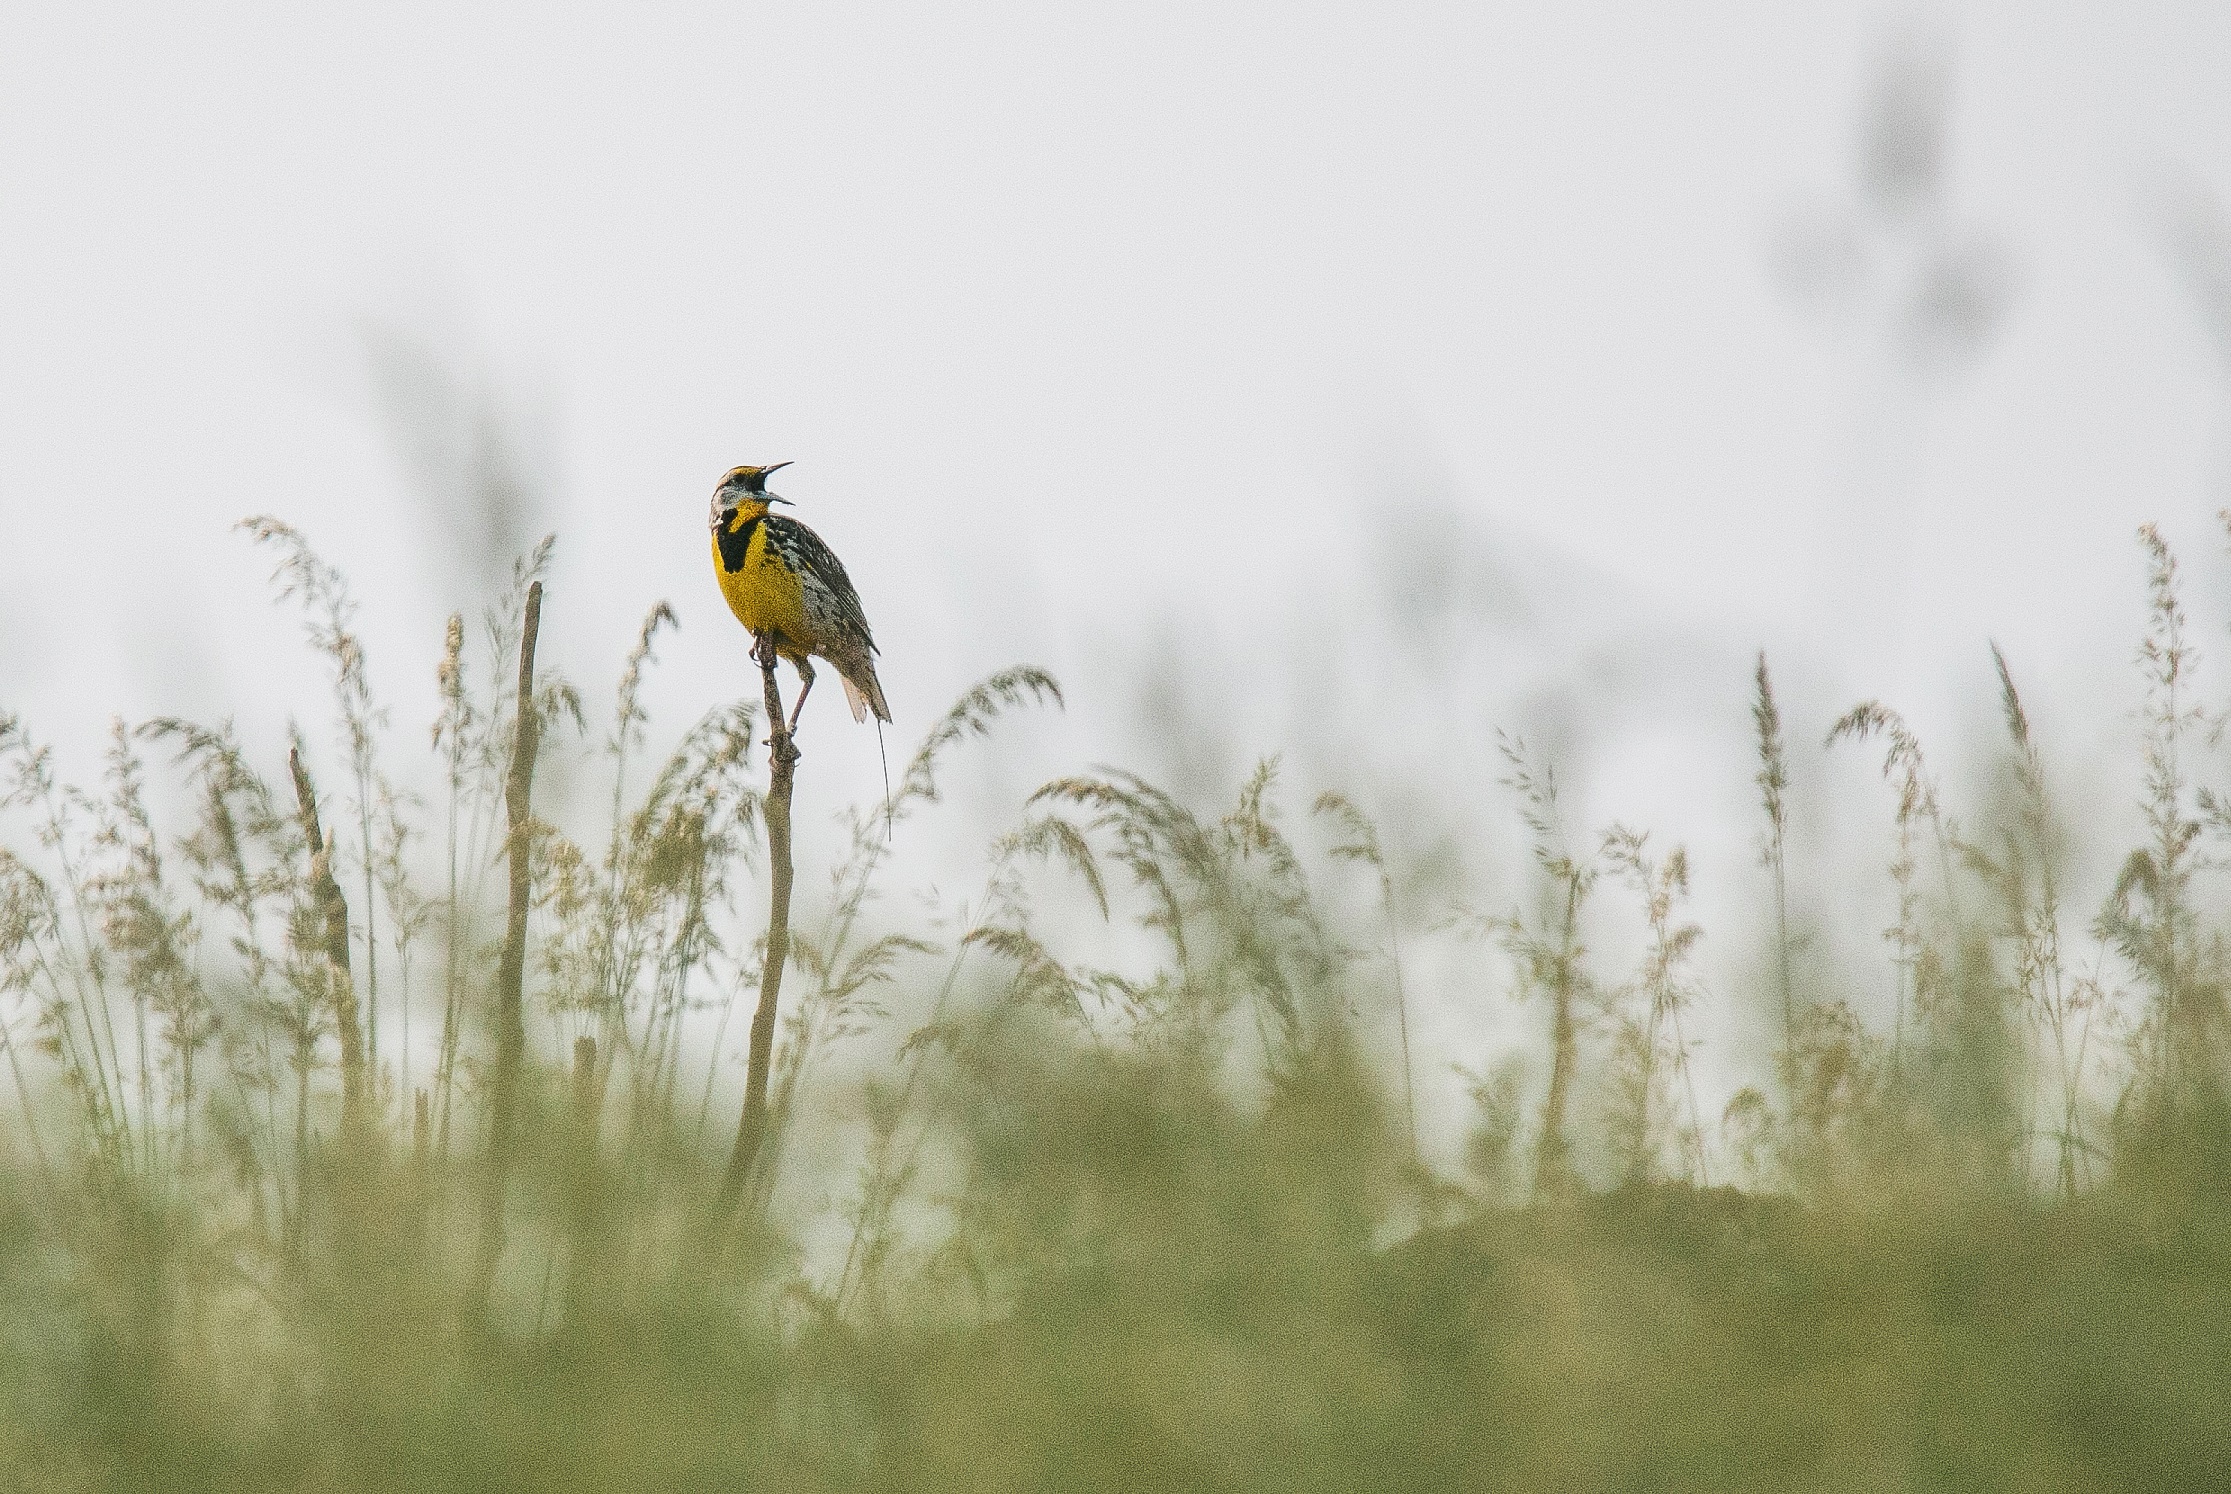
(1387, 374)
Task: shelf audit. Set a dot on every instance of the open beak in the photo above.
(767, 472)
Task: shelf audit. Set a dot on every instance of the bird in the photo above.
(790, 591)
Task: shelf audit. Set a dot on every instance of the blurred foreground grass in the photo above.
(1147, 1287)
(1157, 1222)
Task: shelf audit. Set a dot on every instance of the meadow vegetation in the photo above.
(1137, 1209)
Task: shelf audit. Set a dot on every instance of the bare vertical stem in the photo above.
(1773, 784)
(449, 735)
(1401, 1008)
(1552, 1165)
(511, 969)
(782, 767)
(584, 1081)
(325, 893)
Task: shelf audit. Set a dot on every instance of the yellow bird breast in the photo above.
(762, 591)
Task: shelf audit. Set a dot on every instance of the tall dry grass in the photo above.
(1138, 1189)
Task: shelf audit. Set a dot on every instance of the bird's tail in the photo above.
(865, 694)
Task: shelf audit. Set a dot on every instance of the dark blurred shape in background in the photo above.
(483, 463)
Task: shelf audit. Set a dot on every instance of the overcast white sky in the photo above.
(1085, 325)
(1140, 301)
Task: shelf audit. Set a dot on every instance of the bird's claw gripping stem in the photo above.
(781, 740)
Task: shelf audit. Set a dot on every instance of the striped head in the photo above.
(743, 490)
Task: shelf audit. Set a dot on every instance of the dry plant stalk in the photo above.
(333, 908)
(511, 970)
(1551, 957)
(1362, 844)
(782, 768)
(1773, 786)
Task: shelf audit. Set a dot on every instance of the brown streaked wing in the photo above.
(829, 594)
